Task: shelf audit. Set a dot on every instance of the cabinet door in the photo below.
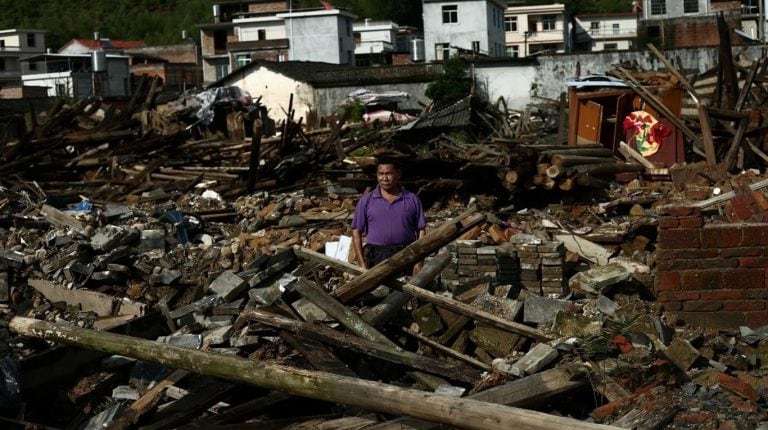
(590, 119)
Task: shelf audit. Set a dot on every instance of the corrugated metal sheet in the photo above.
(458, 114)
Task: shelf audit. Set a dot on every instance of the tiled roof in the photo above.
(110, 43)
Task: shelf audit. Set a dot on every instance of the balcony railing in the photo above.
(612, 32)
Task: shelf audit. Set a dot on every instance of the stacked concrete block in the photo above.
(541, 266)
(553, 282)
(507, 265)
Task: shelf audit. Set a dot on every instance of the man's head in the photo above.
(388, 175)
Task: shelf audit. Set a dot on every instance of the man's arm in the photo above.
(357, 242)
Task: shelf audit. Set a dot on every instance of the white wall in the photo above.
(249, 30)
(275, 91)
(321, 38)
(475, 23)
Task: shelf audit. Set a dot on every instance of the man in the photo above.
(390, 217)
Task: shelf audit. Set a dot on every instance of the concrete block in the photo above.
(218, 336)
(542, 310)
(308, 311)
(536, 359)
(606, 305)
(497, 342)
(193, 341)
(151, 239)
(227, 285)
(428, 320)
(682, 354)
(595, 280)
(501, 307)
(125, 392)
(572, 325)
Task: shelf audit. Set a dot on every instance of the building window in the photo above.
(615, 28)
(690, 6)
(513, 51)
(2, 45)
(510, 23)
(611, 46)
(2, 64)
(658, 7)
(349, 27)
(594, 26)
(262, 35)
(548, 22)
(654, 31)
(442, 51)
(222, 70)
(450, 14)
(61, 90)
(475, 46)
(243, 59)
(32, 67)
(31, 40)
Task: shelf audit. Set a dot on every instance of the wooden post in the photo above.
(253, 167)
(378, 315)
(409, 256)
(437, 299)
(375, 396)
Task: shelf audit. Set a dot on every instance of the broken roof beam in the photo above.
(391, 353)
(409, 256)
(437, 299)
(370, 395)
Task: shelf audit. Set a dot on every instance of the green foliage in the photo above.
(452, 85)
(403, 12)
(156, 22)
(353, 110)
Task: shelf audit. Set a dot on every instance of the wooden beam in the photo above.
(375, 396)
(393, 354)
(378, 315)
(437, 299)
(409, 256)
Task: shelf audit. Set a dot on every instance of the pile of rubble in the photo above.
(174, 264)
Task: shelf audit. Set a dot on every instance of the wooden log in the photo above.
(448, 351)
(632, 154)
(554, 172)
(437, 299)
(378, 315)
(589, 181)
(706, 136)
(409, 256)
(727, 196)
(379, 350)
(603, 169)
(566, 184)
(566, 160)
(586, 152)
(463, 413)
(534, 388)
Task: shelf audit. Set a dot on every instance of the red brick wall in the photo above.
(711, 275)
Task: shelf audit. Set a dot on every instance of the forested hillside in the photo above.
(162, 21)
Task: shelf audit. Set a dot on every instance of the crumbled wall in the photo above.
(711, 275)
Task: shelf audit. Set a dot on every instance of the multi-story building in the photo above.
(750, 19)
(248, 30)
(605, 32)
(375, 42)
(80, 75)
(463, 27)
(14, 45)
(687, 23)
(535, 29)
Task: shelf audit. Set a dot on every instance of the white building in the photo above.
(15, 44)
(73, 75)
(375, 41)
(535, 29)
(463, 26)
(320, 35)
(606, 31)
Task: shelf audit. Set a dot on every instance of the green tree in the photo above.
(452, 85)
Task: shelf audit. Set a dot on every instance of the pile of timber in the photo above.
(563, 167)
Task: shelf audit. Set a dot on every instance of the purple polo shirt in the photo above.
(385, 223)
